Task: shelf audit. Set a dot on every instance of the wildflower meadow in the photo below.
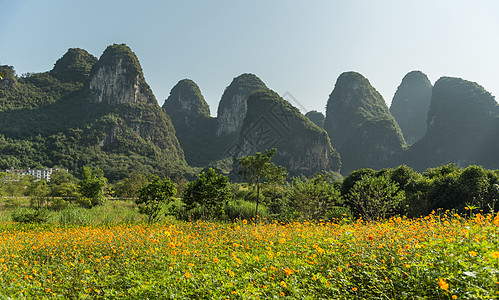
(441, 256)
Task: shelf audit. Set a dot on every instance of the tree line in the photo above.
(267, 192)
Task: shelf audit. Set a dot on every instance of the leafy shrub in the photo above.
(375, 197)
(153, 196)
(313, 198)
(30, 215)
(208, 195)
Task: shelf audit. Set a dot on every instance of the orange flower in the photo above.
(289, 271)
(454, 296)
(187, 274)
(442, 284)
(354, 289)
(495, 254)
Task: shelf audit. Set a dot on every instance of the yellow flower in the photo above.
(283, 284)
(354, 289)
(454, 297)
(245, 221)
(472, 253)
(495, 254)
(442, 284)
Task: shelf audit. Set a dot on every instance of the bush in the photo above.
(313, 198)
(30, 215)
(153, 196)
(208, 195)
(375, 197)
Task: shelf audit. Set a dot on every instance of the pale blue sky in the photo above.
(300, 47)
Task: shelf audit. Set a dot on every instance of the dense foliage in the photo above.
(152, 197)
(207, 196)
(46, 120)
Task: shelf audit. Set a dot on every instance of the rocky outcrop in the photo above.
(232, 107)
(463, 127)
(75, 65)
(316, 117)
(186, 105)
(410, 105)
(195, 128)
(272, 122)
(360, 125)
(117, 78)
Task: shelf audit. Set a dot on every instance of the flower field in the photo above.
(435, 257)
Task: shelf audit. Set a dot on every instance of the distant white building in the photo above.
(44, 173)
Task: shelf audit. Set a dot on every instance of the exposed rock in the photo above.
(117, 78)
(360, 125)
(75, 65)
(463, 127)
(195, 128)
(186, 105)
(316, 117)
(410, 105)
(272, 122)
(232, 107)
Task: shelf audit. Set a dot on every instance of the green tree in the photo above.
(92, 187)
(210, 193)
(63, 184)
(130, 186)
(258, 169)
(314, 198)
(38, 192)
(375, 197)
(153, 196)
(472, 186)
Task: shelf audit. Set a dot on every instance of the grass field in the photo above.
(436, 257)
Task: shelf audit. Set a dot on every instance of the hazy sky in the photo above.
(295, 47)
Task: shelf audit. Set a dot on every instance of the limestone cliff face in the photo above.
(75, 65)
(117, 78)
(272, 122)
(186, 105)
(232, 107)
(410, 105)
(195, 128)
(463, 127)
(360, 125)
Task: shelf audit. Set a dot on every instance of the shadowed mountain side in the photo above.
(195, 128)
(410, 105)
(272, 122)
(463, 127)
(360, 125)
